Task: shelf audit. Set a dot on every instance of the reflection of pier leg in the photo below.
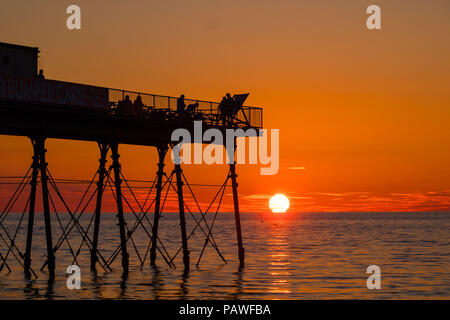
(182, 217)
(118, 181)
(34, 176)
(45, 202)
(101, 176)
(162, 153)
(237, 216)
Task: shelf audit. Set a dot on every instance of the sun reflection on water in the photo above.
(279, 258)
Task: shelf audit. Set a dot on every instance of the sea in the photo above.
(287, 256)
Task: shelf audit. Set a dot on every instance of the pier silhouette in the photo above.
(40, 109)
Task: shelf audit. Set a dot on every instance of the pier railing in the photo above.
(165, 107)
(34, 90)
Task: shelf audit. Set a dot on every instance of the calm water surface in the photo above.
(291, 256)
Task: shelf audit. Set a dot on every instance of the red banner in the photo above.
(52, 92)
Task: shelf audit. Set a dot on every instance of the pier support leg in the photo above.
(182, 217)
(118, 181)
(161, 153)
(40, 145)
(104, 148)
(237, 216)
(34, 176)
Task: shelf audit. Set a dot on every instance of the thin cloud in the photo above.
(331, 194)
(257, 196)
(299, 198)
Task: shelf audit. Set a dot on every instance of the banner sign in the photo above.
(51, 92)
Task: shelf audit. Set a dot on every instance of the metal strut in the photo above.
(118, 181)
(182, 217)
(237, 216)
(161, 153)
(39, 165)
(45, 202)
(33, 183)
(104, 148)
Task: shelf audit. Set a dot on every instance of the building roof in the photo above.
(18, 46)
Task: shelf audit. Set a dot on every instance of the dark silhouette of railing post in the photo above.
(182, 217)
(34, 176)
(161, 153)
(237, 216)
(104, 148)
(118, 181)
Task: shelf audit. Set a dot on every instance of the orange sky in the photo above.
(364, 113)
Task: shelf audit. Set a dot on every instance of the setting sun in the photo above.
(279, 203)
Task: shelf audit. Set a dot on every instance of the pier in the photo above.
(42, 109)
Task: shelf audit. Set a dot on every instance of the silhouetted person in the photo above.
(229, 107)
(192, 108)
(222, 108)
(41, 74)
(180, 104)
(119, 109)
(138, 105)
(128, 105)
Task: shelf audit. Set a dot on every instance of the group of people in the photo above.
(227, 109)
(126, 106)
(182, 109)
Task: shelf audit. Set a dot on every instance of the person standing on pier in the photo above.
(180, 104)
(138, 105)
(229, 107)
(41, 74)
(127, 106)
(222, 107)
